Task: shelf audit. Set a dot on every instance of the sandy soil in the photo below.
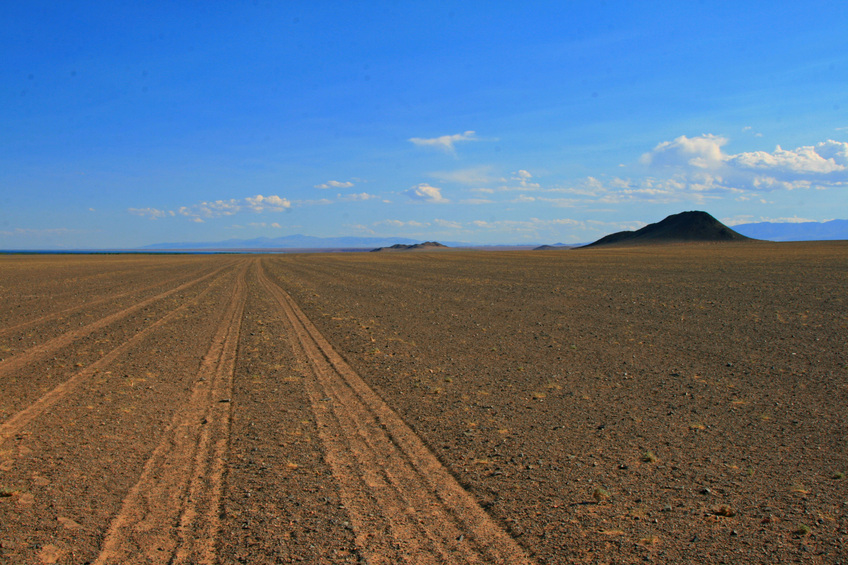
(676, 404)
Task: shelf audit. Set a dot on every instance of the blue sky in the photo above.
(126, 124)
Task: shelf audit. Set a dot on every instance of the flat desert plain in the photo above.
(679, 404)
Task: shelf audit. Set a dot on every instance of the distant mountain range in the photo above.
(806, 231)
(801, 231)
(428, 245)
(294, 242)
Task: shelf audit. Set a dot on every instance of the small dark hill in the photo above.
(554, 246)
(686, 227)
(405, 247)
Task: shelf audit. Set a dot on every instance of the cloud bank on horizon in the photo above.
(557, 124)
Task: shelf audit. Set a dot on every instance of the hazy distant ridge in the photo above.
(803, 231)
(291, 242)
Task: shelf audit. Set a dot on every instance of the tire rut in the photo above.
(14, 424)
(404, 505)
(55, 315)
(172, 513)
(19, 361)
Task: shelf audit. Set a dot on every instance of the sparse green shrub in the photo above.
(600, 494)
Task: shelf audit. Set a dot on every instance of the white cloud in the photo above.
(444, 142)
(335, 184)
(530, 227)
(36, 232)
(213, 209)
(360, 228)
(746, 219)
(477, 201)
(260, 225)
(471, 176)
(272, 203)
(820, 159)
(152, 213)
(361, 197)
(523, 177)
(518, 181)
(698, 169)
(401, 224)
(318, 202)
(219, 208)
(426, 193)
(701, 152)
(448, 224)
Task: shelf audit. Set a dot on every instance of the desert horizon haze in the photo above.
(133, 125)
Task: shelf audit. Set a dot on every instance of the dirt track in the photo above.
(599, 406)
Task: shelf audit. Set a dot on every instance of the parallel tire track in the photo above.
(54, 315)
(15, 423)
(19, 361)
(404, 505)
(171, 515)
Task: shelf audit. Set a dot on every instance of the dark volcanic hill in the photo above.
(688, 227)
(404, 247)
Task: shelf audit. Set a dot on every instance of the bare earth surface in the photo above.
(670, 404)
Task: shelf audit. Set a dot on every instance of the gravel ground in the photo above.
(678, 404)
(671, 404)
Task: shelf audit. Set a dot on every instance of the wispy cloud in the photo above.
(40, 232)
(518, 181)
(530, 225)
(471, 176)
(219, 208)
(152, 213)
(401, 224)
(275, 225)
(360, 197)
(335, 184)
(523, 177)
(558, 202)
(444, 142)
(426, 193)
(748, 219)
